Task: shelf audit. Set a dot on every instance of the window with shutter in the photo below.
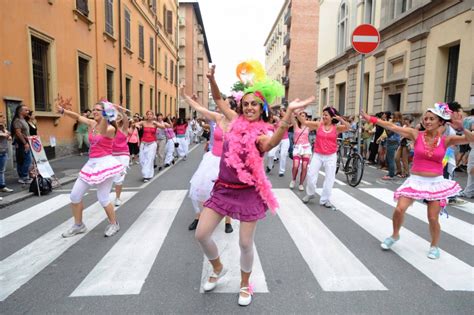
(109, 16)
(169, 22)
(152, 50)
(171, 71)
(83, 6)
(39, 51)
(141, 49)
(128, 43)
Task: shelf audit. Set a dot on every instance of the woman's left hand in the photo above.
(297, 103)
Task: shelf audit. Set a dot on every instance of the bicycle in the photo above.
(353, 167)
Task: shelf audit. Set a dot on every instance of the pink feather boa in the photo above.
(242, 139)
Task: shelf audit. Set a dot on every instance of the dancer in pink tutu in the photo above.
(100, 169)
(121, 152)
(426, 181)
(242, 190)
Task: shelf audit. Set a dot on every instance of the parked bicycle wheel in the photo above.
(354, 169)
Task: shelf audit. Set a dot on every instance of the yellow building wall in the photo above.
(70, 35)
(442, 36)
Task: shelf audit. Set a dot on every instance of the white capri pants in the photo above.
(103, 191)
(147, 158)
(183, 146)
(329, 163)
(169, 150)
(284, 146)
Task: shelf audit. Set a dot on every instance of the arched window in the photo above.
(342, 26)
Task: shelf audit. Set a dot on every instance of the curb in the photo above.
(17, 197)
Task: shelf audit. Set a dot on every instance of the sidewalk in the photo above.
(65, 169)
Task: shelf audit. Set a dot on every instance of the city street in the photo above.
(309, 259)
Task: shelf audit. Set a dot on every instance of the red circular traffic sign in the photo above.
(365, 38)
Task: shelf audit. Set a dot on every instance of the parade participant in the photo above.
(180, 130)
(284, 146)
(160, 142)
(203, 179)
(301, 150)
(133, 140)
(426, 181)
(121, 152)
(170, 142)
(468, 192)
(242, 190)
(270, 155)
(148, 145)
(100, 169)
(325, 148)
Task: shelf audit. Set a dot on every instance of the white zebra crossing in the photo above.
(32, 214)
(124, 269)
(334, 266)
(448, 272)
(229, 252)
(453, 226)
(18, 268)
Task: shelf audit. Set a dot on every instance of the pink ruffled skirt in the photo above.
(99, 169)
(427, 188)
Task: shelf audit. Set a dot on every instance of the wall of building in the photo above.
(75, 35)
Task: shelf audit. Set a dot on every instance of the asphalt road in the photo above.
(308, 260)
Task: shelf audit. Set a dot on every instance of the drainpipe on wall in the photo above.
(156, 62)
(120, 51)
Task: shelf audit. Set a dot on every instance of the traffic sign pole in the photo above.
(365, 39)
(361, 99)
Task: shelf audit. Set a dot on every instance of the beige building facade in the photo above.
(291, 49)
(122, 50)
(194, 56)
(425, 55)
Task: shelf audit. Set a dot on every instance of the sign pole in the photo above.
(361, 99)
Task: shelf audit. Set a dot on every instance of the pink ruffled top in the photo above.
(100, 146)
(218, 141)
(326, 141)
(301, 135)
(120, 145)
(428, 159)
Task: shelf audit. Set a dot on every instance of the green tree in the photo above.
(238, 86)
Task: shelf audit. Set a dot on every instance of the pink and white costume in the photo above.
(121, 152)
(99, 170)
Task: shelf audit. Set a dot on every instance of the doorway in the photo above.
(393, 104)
(341, 99)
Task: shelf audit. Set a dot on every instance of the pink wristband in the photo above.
(373, 119)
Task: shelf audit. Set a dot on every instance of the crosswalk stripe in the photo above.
(23, 265)
(118, 273)
(366, 183)
(21, 219)
(229, 252)
(467, 207)
(336, 180)
(448, 272)
(334, 266)
(453, 226)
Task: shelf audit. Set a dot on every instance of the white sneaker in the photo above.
(112, 229)
(209, 286)
(307, 198)
(292, 184)
(74, 230)
(245, 300)
(300, 188)
(6, 190)
(118, 202)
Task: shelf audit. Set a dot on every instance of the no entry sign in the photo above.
(365, 38)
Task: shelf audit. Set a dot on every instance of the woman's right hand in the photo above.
(365, 116)
(211, 72)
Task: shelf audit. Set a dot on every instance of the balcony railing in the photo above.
(182, 42)
(201, 38)
(287, 39)
(182, 21)
(285, 81)
(288, 17)
(286, 60)
(182, 62)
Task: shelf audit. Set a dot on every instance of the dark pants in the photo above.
(374, 148)
(23, 162)
(392, 147)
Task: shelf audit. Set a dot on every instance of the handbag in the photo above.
(176, 144)
(44, 184)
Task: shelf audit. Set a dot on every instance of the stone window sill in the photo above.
(78, 15)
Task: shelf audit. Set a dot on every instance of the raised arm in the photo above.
(344, 126)
(267, 143)
(408, 133)
(200, 109)
(76, 116)
(311, 125)
(216, 95)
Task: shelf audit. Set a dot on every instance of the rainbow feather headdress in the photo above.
(252, 74)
